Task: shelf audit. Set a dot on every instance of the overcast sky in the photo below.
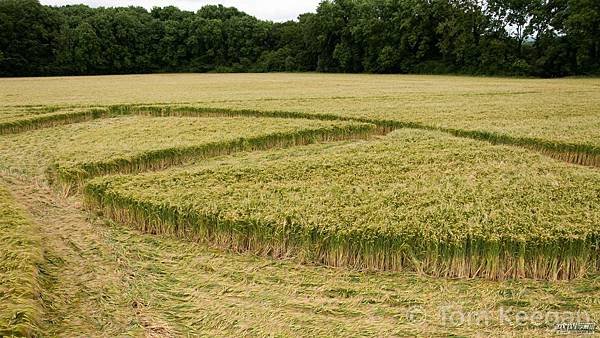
(276, 10)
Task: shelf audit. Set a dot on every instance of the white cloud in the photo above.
(276, 10)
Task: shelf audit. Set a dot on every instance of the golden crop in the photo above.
(20, 255)
(438, 175)
(416, 200)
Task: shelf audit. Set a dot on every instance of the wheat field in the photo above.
(298, 205)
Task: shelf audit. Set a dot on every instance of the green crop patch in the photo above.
(413, 200)
(128, 144)
(20, 256)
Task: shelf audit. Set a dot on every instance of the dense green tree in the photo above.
(80, 49)
(28, 33)
(517, 16)
(460, 33)
(582, 26)
(510, 37)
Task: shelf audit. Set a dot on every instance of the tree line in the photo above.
(546, 38)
